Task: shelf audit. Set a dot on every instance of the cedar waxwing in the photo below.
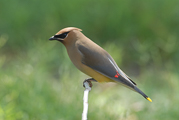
(93, 60)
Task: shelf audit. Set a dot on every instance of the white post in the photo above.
(85, 100)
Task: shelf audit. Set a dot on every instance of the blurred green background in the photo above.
(39, 82)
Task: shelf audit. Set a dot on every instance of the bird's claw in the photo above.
(89, 80)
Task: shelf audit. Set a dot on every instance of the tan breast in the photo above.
(76, 58)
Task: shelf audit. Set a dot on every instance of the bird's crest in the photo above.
(68, 29)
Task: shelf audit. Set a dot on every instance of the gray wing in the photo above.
(103, 63)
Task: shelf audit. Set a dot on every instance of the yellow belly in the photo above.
(96, 75)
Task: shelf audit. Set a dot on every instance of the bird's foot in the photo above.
(89, 80)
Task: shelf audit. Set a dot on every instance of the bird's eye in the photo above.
(62, 36)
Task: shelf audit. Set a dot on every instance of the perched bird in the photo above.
(93, 60)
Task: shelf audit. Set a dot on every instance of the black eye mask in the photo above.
(62, 36)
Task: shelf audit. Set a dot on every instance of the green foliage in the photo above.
(39, 82)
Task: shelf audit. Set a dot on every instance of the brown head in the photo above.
(66, 35)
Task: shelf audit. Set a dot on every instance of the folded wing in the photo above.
(102, 62)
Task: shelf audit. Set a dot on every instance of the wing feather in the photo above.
(103, 63)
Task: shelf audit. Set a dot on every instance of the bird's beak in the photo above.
(52, 38)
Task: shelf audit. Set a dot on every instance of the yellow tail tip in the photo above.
(149, 99)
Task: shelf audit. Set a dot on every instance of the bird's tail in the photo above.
(143, 94)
